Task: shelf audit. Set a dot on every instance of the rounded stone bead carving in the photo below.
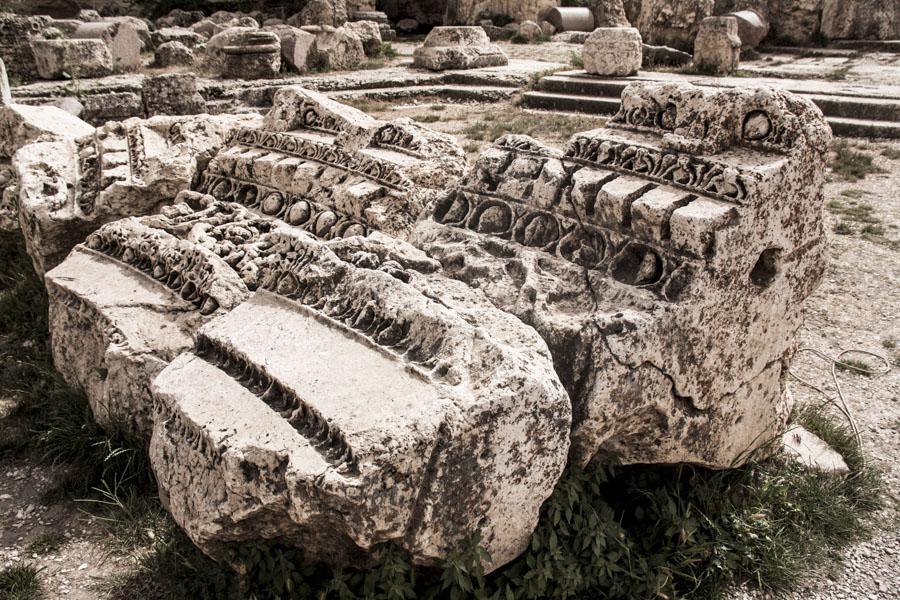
(613, 51)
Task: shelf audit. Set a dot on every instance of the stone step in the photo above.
(571, 103)
(840, 125)
(855, 107)
(453, 92)
(589, 86)
(864, 128)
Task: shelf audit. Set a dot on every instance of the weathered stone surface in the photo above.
(425, 446)
(121, 38)
(68, 58)
(369, 34)
(337, 49)
(675, 24)
(529, 31)
(68, 188)
(613, 51)
(252, 55)
(189, 38)
(210, 27)
(458, 48)
(663, 55)
(664, 259)
(173, 54)
(809, 450)
(796, 22)
(609, 13)
(298, 47)
(861, 20)
(140, 26)
(5, 92)
(179, 18)
(320, 12)
(21, 125)
(717, 48)
(752, 27)
(100, 108)
(67, 103)
(172, 94)
(16, 33)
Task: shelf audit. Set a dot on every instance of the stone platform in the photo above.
(851, 110)
(119, 96)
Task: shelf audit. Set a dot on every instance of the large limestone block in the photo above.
(189, 38)
(123, 306)
(860, 20)
(332, 170)
(120, 37)
(298, 47)
(172, 94)
(337, 49)
(752, 27)
(666, 23)
(458, 48)
(613, 51)
(69, 188)
(141, 26)
(609, 13)
(69, 58)
(173, 54)
(253, 55)
(664, 260)
(21, 125)
(421, 440)
(796, 22)
(16, 34)
(332, 13)
(369, 34)
(717, 48)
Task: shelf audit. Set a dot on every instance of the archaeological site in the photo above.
(449, 299)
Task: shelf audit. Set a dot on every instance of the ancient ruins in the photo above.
(335, 330)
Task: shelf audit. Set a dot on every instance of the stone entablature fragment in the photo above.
(664, 259)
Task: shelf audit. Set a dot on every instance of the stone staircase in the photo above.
(849, 115)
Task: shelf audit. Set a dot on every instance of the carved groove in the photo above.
(306, 420)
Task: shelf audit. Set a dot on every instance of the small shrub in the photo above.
(576, 60)
(891, 153)
(843, 228)
(388, 51)
(20, 582)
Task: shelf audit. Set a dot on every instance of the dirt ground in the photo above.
(857, 306)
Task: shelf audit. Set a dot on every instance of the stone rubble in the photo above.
(72, 58)
(717, 48)
(121, 38)
(613, 52)
(458, 48)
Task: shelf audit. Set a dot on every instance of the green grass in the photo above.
(628, 532)
(20, 582)
(516, 121)
(576, 59)
(388, 51)
(851, 164)
(852, 365)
